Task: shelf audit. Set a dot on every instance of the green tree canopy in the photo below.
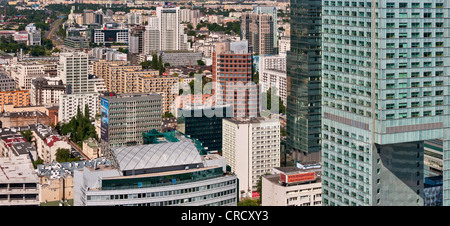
(79, 127)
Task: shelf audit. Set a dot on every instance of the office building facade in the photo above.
(272, 10)
(69, 104)
(73, 71)
(384, 92)
(233, 79)
(303, 107)
(165, 32)
(125, 117)
(204, 123)
(258, 29)
(159, 174)
(251, 147)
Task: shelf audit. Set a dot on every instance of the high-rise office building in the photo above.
(125, 117)
(204, 123)
(164, 32)
(257, 28)
(73, 71)
(136, 40)
(88, 16)
(385, 87)
(251, 147)
(233, 79)
(304, 81)
(272, 10)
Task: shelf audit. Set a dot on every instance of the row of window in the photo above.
(175, 201)
(388, 4)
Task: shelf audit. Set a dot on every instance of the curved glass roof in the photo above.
(156, 155)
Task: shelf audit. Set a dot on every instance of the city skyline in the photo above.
(297, 103)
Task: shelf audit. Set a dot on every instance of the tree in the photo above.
(80, 127)
(37, 51)
(122, 50)
(27, 134)
(191, 33)
(146, 64)
(255, 75)
(38, 162)
(168, 115)
(160, 65)
(248, 202)
(281, 107)
(201, 63)
(62, 154)
(154, 64)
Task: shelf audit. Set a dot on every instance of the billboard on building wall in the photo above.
(104, 117)
(307, 176)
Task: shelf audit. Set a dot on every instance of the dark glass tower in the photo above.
(304, 81)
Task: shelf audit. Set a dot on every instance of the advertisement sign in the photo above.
(104, 117)
(298, 177)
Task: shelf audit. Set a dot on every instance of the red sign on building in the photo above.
(298, 177)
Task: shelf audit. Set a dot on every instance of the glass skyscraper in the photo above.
(384, 91)
(304, 82)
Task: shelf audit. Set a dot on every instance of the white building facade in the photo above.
(251, 147)
(69, 103)
(291, 186)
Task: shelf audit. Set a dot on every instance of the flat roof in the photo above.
(17, 169)
(246, 120)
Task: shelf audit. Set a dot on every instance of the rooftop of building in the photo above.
(22, 148)
(91, 142)
(292, 171)
(130, 96)
(156, 155)
(10, 108)
(64, 169)
(247, 120)
(17, 169)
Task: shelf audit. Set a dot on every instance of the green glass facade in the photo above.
(384, 91)
(303, 110)
(152, 181)
(204, 124)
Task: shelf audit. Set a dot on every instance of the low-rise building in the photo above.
(293, 186)
(23, 118)
(13, 143)
(7, 83)
(19, 183)
(56, 179)
(168, 172)
(18, 98)
(48, 141)
(91, 148)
